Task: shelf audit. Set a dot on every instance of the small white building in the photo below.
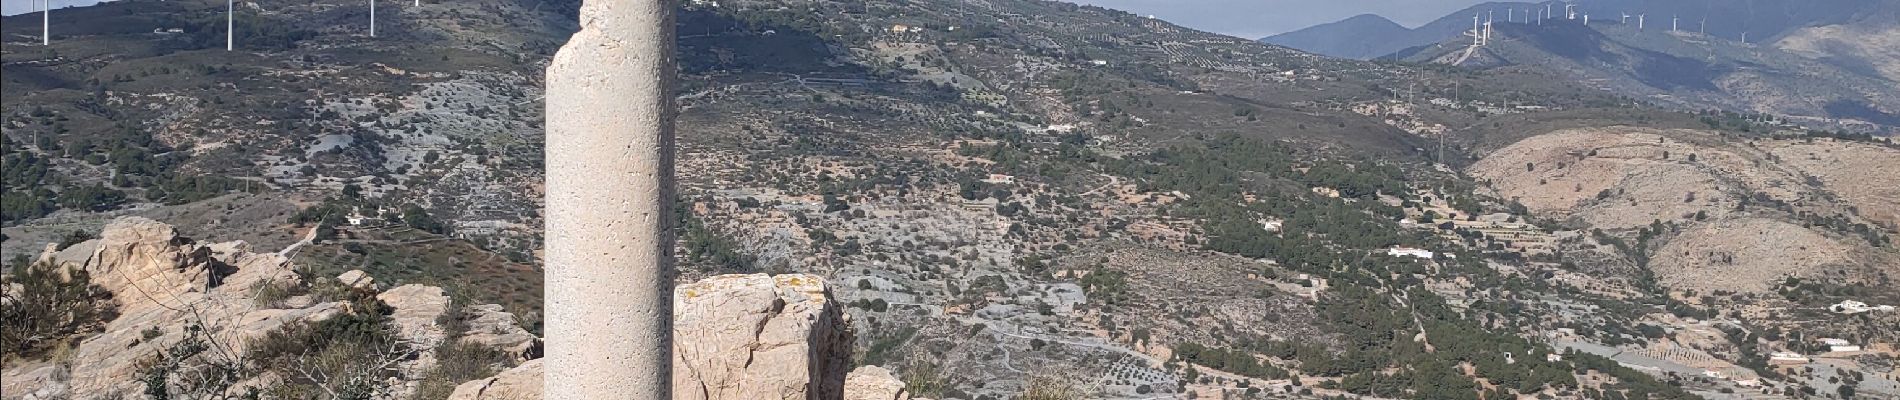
(1409, 252)
(1856, 307)
(1786, 357)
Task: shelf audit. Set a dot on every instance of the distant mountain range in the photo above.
(1364, 36)
(1844, 72)
(1370, 36)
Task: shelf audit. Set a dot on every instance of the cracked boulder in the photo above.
(759, 337)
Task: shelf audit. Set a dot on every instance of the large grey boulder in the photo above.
(759, 337)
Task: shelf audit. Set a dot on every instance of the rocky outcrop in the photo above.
(418, 309)
(759, 337)
(170, 289)
(357, 279)
(872, 382)
(522, 382)
(740, 337)
(167, 288)
(491, 326)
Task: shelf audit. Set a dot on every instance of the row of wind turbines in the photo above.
(1481, 22)
(230, 22)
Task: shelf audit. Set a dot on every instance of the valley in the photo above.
(1000, 194)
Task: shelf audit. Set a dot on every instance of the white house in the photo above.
(1409, 252)
(1785, 357)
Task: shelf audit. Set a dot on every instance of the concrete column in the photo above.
(609, 195)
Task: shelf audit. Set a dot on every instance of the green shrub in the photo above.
(52, 305)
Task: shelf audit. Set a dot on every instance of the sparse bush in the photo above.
(1045, 387)
(457, 362)
(52, 305)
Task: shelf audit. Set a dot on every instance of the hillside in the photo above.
(1367, 36)
(1868, 43)
(1688, 70)
(1361, 37)
(1004, 194)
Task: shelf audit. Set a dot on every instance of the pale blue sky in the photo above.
(11, 7)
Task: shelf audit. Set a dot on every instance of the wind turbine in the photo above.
(1487, 27)
(230, 15)
(1639, 21)
(1673, 22)
(1625, 20)
(372, 18)
(1570, 11)
(46, 22)
(1477, 39)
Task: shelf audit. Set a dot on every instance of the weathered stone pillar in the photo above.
(609, 193)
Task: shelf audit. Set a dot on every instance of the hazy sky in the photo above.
(1244, 18)
(1258, 18)
(11, 7)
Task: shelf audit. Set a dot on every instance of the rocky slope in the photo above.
(1692, 70)
(740, 336)
(1745, 205)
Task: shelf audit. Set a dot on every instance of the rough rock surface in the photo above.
(356, 278)
(759, 337)
(872, 382)
(162, 283)
(523, 382)
(417, 311)
(737, 337)
(491, 326)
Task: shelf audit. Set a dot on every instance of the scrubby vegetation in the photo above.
(52, 306)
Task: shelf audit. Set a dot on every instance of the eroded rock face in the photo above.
(872, 382)
(736, 337)
(167, 286)
(523, 382)
(163, 284)
(491, 326)
(759, 337)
